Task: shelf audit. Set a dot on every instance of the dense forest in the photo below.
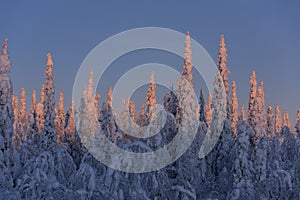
(44, 155)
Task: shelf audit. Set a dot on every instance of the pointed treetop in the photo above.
(187, 49)
(152, 77)
(4, 51)
(109, 96)
(49, 60)
(4, 59)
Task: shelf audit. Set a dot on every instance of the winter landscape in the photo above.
(43, 157)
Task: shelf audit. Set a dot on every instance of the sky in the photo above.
(259, 35)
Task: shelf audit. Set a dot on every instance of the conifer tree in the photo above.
(40, 120)
(23, 117)
(286, 121)
(187, 72)
(270, 123)
(278, 119)
(251, 106)
(132, 111)
(224, 71)
(151, 99)
(208, 110)
(60, 119)
(49, 137)
(297, 126)
(243, 113)
(97, 97)
(234, 109)
(202, 107)
(70, 129)
(7, 115)
(33, 102)
(260, 119)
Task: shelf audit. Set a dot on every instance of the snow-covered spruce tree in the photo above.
(297, 126)
(6, 120)
(60, 119)
(202, 107)
(270, 123)
(187, 72)
(132, 111)
(142, 119)
(33, 102)
(224, 71)
(234, 110)
(151, 99)
(208, 110)
(40, 120)
(49, 138)
(260, 120)
(243, 113)
(70, 128)
(6, 90)
(106, 118)
(252, 98)
(97, 97)
(243, 167)
(18, 128)
(23, 115)
(170, 101)
(286, 122)
(88, 122)
(278, 119)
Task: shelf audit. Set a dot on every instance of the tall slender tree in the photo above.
(286, 121)
(40, 120)
(270, 123)
(224, 71)
(278, 119)
(243, 113)
(33, 102)
(60, 119)
(208, 110)
(151, 99)
(251, 106)
(234, 117)
(6, 91)
(187, 72)
(202, 107)
(49, 136)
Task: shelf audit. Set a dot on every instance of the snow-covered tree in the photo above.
(187, 72)
(6, 91)
(97, 97)
(297, 126)
(234, 109)
(224, 71)
(286, 122)
(202, 107)
(40, 120)
(170, 101)
(132, 111)
(278, 119)
(60, 119)
(88, 122)
(142, 119)
(107, 118)
(208, 110)
(33, 102)
(151, 99)
(260, 118)
(49, 137)
(252, 98)
(70, 128)
(243, 167)
(270, 123)
(243, 113)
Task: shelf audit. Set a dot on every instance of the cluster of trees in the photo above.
(44, 156)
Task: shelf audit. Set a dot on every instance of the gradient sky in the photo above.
(260, 35)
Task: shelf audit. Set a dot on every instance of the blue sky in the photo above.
(260, 35)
